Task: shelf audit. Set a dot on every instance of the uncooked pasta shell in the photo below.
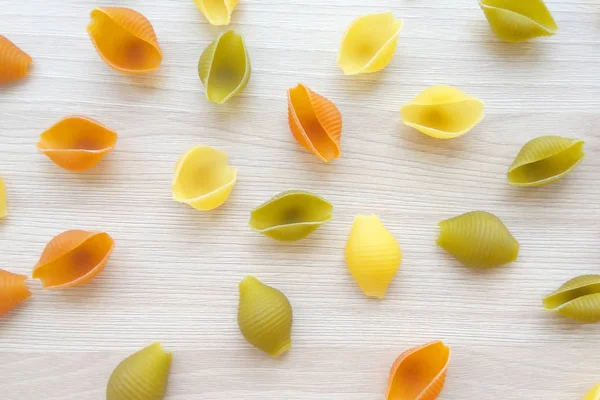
(141, 376)
(369, 43)
(13, 291)
(203, 178)
(578, 299)
(224, 67)
(518, 20)
(73, 258)
(315, 122)
(77, 143)
(443, 112)
(14, 62)
(544, 160)
(217, 12)
(478, 239)
(291, 215)
(125, 40)
(264, 317)
(419, 373)
(373, 255)
(3, 206)
(593, 394)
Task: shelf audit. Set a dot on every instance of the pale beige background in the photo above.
(173, 276)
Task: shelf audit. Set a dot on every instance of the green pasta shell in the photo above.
(265, 317)
(291, 215)
(141, 376)
(578, 299)
(224, 67)
(478, 239)
(544, 160)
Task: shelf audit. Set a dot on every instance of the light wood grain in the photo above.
(174, 273)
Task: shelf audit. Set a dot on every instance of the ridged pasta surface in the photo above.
(13, 291)
(578, 299)
(14, 62)
(217, 12)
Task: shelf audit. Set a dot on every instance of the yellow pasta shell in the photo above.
(544, 160)
(443, 112)
(264, 317)
(369, 43)
(578, 299)
(217, 12)
(141, 376)
(593, 394)
(3, 207)
(291, 215)
(518, 20)
(203, 178)
(478, 239)
(373, 255)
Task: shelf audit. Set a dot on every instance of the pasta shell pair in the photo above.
(519, 20)
(544, 160)
(13, 291)
(315, 122)
(125, 40)
(478, 239)
(224, 67)
(265, 317)
(14, 62)
(77, 143)
(578, 299)
(73, 258)
(291, 215)
(217, 12)
(203, 178)
(373, 255)
(3, 207)
(369, 43)
(141, 376)
(593, 394)
(443, 112)
(419, 373)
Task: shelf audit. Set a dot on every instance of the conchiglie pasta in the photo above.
(419, 373)
(3, 202)
(578, 299)
(217, 12)
(73, 258)
(141, 376)
(224, 67)
(264, 317)
(125, 40)
(369, 43)
(13, 291)
(593, 394)
(203, 178)
(443, 112)
(518, 20)
(77, 143)
(373, 255)
(478, 239)
(291, 215)
(544, 160)
(14, 62)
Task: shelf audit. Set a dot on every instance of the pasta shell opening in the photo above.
(315, 122)
(419, 373)
(14, 62)
(224, 67)
(518, 20)
(203, 178)
(373, 255)
(217, 12)
(77, 143)
(291, 215)
(73, 258)
(443, 112)
(593, 394)
(544, 160)
(143, 375)
(125, 40)
(13, 291)
(264, 317)
(3, 202)
(578, 299)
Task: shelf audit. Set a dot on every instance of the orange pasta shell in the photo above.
(315, 122)
(125, 40)
(73, 258)
(14, 62)
(13, 291)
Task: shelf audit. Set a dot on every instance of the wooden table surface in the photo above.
(173, 276)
